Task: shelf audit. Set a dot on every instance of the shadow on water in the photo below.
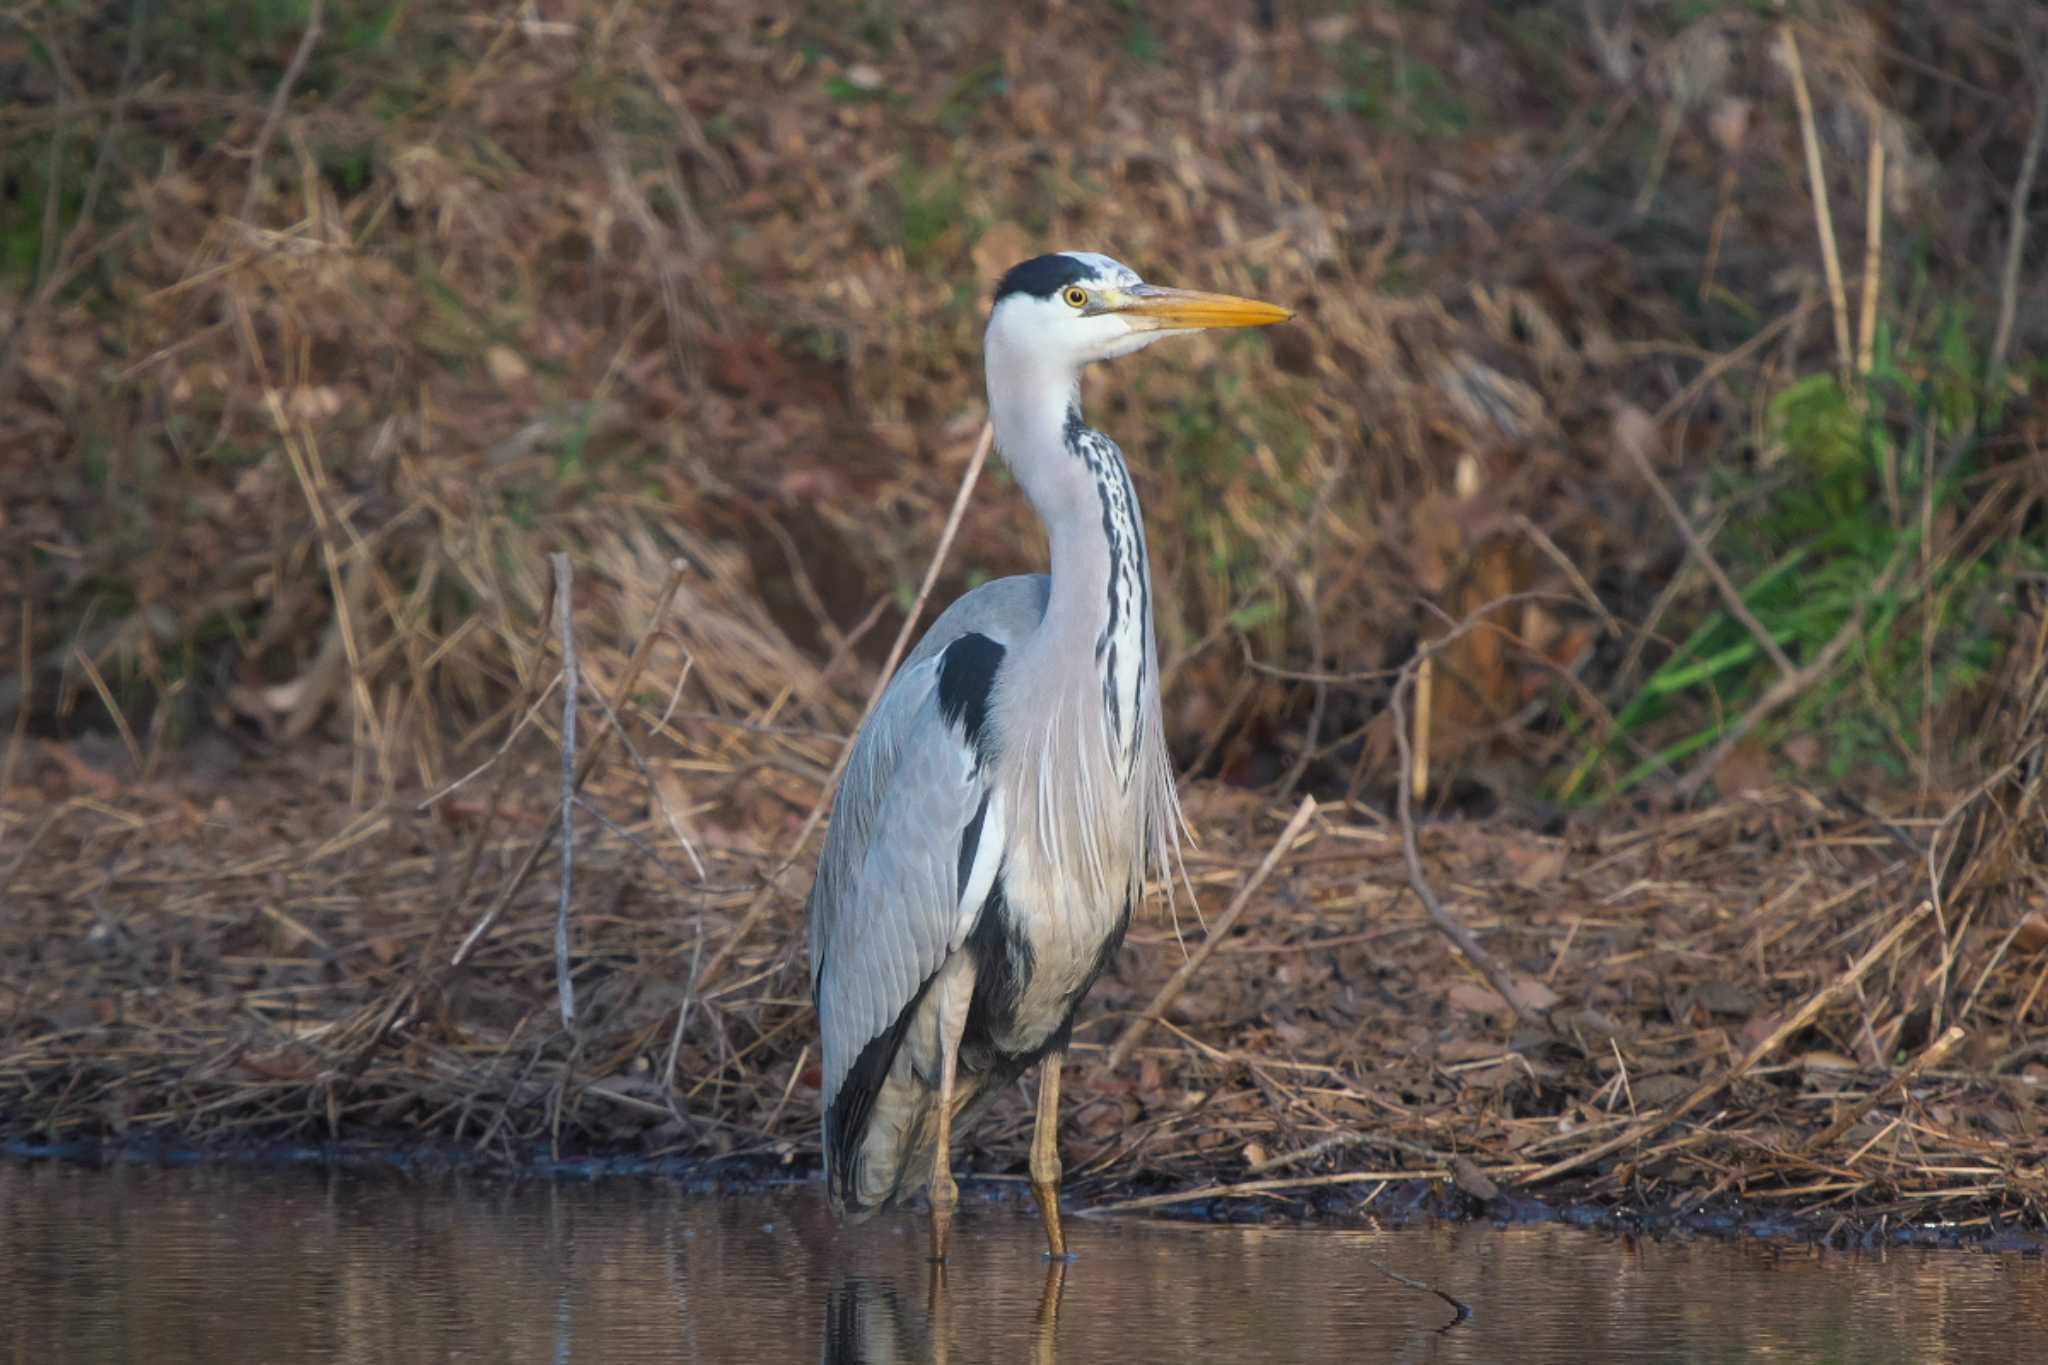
(236, 1267)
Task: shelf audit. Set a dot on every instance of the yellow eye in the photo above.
(1075, 296)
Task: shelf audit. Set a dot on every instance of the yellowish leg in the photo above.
(945, 1195)
(1045, 1154)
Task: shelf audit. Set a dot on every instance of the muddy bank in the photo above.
(1743, 1017)
(1396, 1204)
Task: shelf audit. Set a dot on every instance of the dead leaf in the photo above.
(1803, 752)
(1476, 999)
(1254, 1154)
(1746, 768)
(286, 1064)
(1532, 994)
(2032, 935)
(505, 365)
(1542, 870)
(1472, 1180)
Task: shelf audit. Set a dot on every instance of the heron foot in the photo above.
(1048, 1197)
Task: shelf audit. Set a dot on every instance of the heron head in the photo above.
(1069, 308)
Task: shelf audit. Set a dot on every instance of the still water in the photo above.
(234, 1267)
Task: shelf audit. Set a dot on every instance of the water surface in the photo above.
(234, 1267)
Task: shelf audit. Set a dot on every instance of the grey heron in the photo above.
(1011, 790)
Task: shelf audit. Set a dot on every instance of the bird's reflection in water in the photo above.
(869, 1320)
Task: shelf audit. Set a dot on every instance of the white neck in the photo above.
(1094, 646)
(1081, 696)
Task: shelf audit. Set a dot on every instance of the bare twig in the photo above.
(1417, 762)
(278, 100)
(1134, 1032)
(762, 899)
(597, 747)
(1873, 247)
(2016, 231)
(1556, 555)
(565, 620)
(1823, 218)
(1790, 685)
(1418, 881)
(1311, 1182)
(106, 696)
(1700, 1094)
(1727, 361)
(1340, 1141)
(1934, 1054)
(1632, 436)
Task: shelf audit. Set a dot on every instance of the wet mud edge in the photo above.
(1396, 1205)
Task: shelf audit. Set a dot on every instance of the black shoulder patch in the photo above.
(967, 678)
(1041, 277)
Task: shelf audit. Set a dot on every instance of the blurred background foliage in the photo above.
(323, 321)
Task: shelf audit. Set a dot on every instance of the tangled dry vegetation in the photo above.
(318, 341)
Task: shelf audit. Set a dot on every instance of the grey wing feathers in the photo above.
(885, 908)
(900, 910)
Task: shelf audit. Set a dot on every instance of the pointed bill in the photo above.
(1152, 307)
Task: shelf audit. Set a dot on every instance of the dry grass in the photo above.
(242, 974)
(297, 405)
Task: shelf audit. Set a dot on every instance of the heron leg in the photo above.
(1045, 1153)
(945, 1195)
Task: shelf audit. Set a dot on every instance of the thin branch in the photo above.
(1418, 881)
(278, 99)
(1873, 247)
(565, 619)
(1823, 219)
(1632, 436)
(1425, 706)
(539, 847)
(2016, 232)
(1790, 685)
(1134, 1032)
(1933, 1055)
(763, 898)
(1727, 361)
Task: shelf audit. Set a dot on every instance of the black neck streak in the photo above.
(1127, 610)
